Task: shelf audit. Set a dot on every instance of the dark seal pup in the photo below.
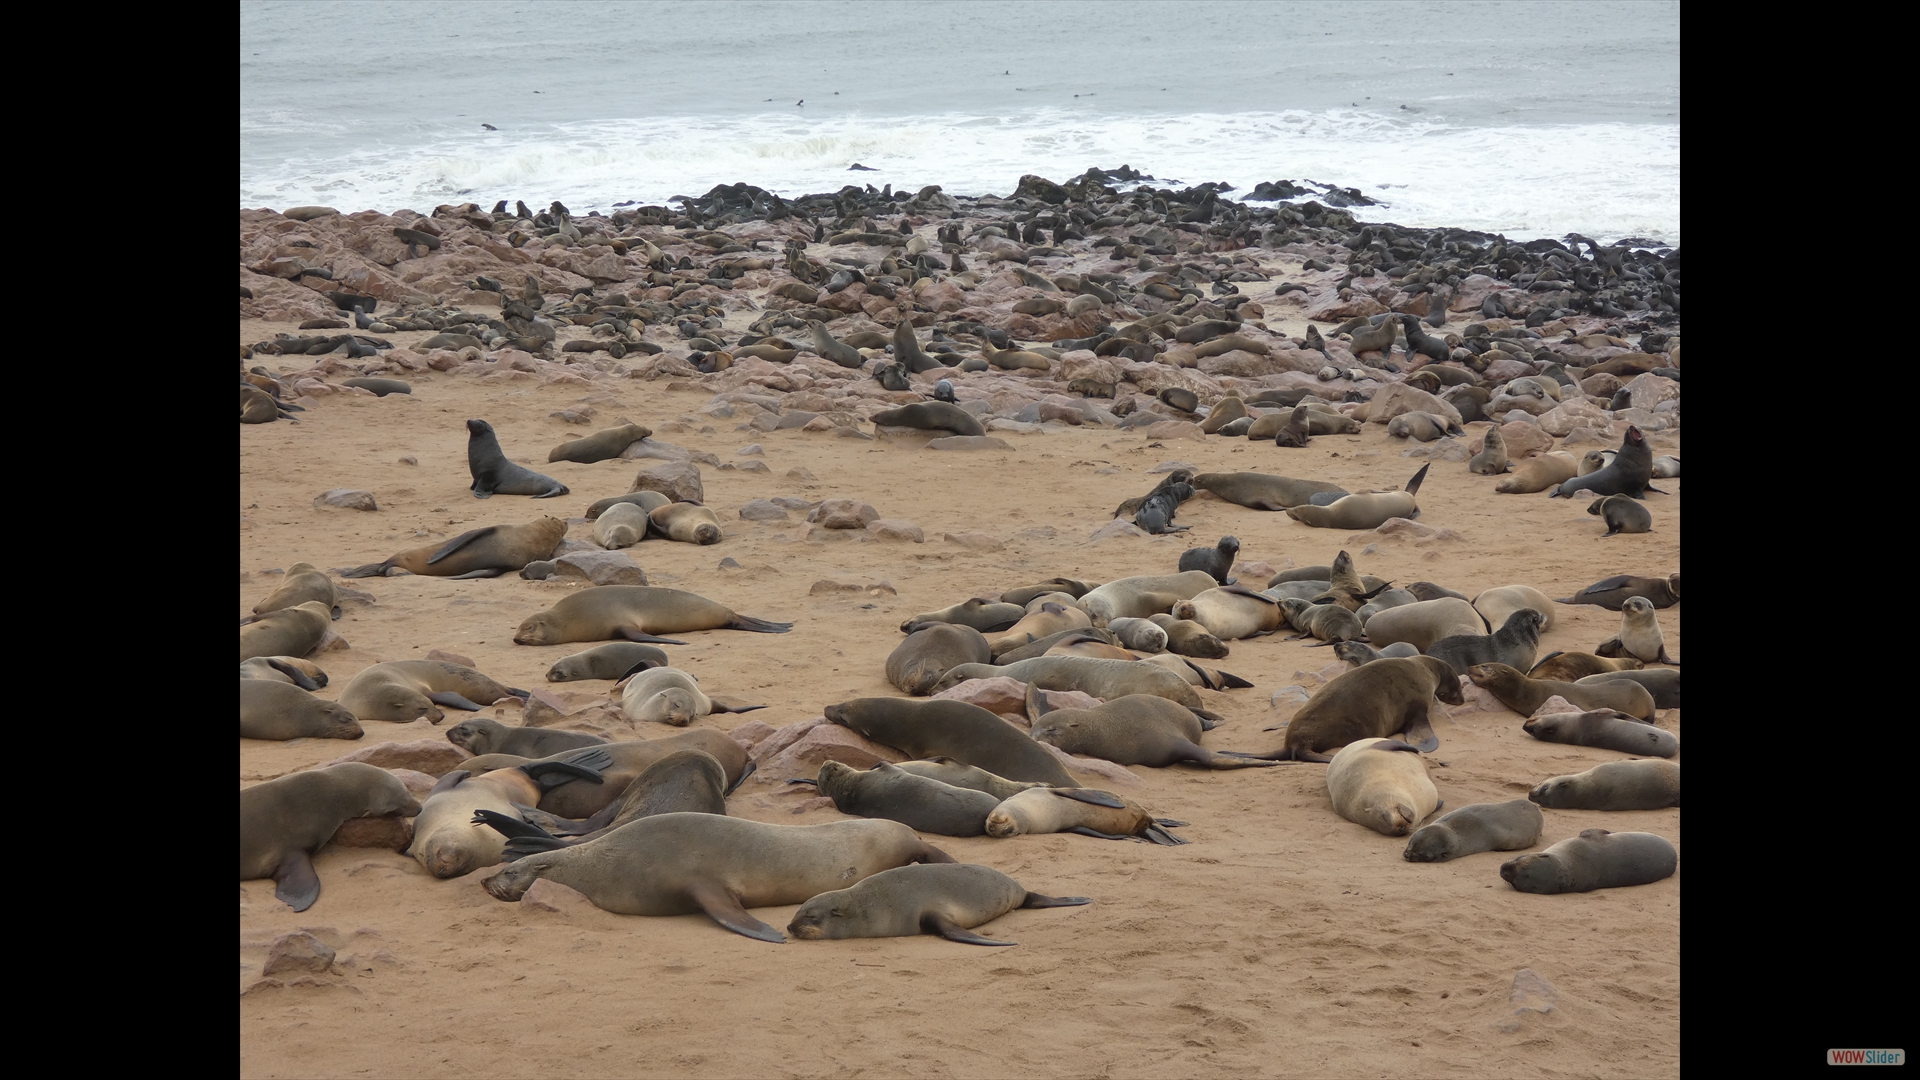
(924, 898)
(494, 474)
(1507, 826)
(1596, 859)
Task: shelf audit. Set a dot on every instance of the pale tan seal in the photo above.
(621, 525)
(635, 613)
(1143, 596)
(1425, 622)
(1382, 784)
(1140, 635)
(1087, 811)
(689, 523)
(601, 445)
(1525, 696)
(282, 711)
(667, 695)
(1596, 859)
(1614, 592)
(1495, 605)
(1663, 683)
(1640, 635)
(948, 900)
(477, 553)
(1507, 826)
(1383, 698)
(648, 501)
(283, 821)
(1188, 638)
(290, 631)
(1231, 612)
(1539, 473)
(401, 691)
(1606, 729)
(304, 674)
(1104, 679)
(1574, 666)
(1368, 510)
(680, 864)
(445, 840)
(1050, 619)
(304, 582)
(1492, 458)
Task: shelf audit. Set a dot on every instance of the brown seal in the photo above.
(601, 445)
(477, 553)
(1596, 859)
(1495, 605)
(1507, 826)
(1640, 635)
(583, 799)
(1525, 696)
(621, 525)
(614, 660)
(483, 736)
(1050, 618)
(633, 613)
(1138, 729)
(1382, 784)
(952, 729)
(919, 802)
(1104, 679)
(282, 711)
(402, 691)
(680, 864)
(1329, 622)
(290, 631)
(445, 840)
(1386, 697)
(919, 661)
(1087, 811)
(1028, 593)
(303, 582)
(1515, 644)
(689, 523)
(1606, 729)
(685, 781)
(931, 416)
(1639, 784)
(1231, 612)
(1574, 666)
(986, 616)
(1662, 683)
(1612, 593)
(948, 900)
(1262, 491)
(304, 674)
(648, 501)
(1368, 510)
(283, 821)
(1622, 515)
(1539, 473)
(1425, 622)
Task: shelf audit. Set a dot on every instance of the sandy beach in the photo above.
(1280, 940)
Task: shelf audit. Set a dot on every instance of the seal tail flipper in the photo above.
(298, 677)
(1230, 681)
(1208, 718)
(1035, 900)
(744, 773)
(758, 626)
(294, 881)
(453, 701)
(1092, 795)
(803, 780)
(372, 569)
(522, 846)
(509, 827)
(1229, 760)
(937, 923)
(1413, 485)
(1085, 831)
(470, 575)
(555, 825)
(723, 706)
(448, 782)
(644, 665)
(1037, 706)
(630, 634)
(1161, 836)
(724, 908)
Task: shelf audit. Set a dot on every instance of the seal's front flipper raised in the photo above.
(461, 541)
(631, 634)
(722, 907)
(937, 923)
(511, 828)
(295, 882)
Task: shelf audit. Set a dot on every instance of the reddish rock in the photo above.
(821, 743)
(843, 514)
(677, 480)
(1391, 401)
(751, 734)
(600, 568)
(1649, 390)
(435, 757)
(896, 529)
(298, 950)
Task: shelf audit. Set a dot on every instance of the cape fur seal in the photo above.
(1138, 729)
(986, 616)
(1622, 515)
(1630, 473)
(1050, 618)
(483, 736)
(948, 900)
(476, 553)
(1525, 696)
(1515, 644)
(284, 821)
(1662, 683)
(951, 729)
(280, 711)
(1382, 784)
(917, 663)
(304, 582)
(1263, 491)
(304, 674)
(667, 695)
(1231, 612)
(688, 523)
(683, 782)
(1026, 594)
(290, 631)
(599, 446)
(1596, 859)
(635, 613)
(1368, 510)
(1143, 596)
(615, 660)
(1383, 698)
(682, 864)
(1495, 605)
(1216, 560)
(579, 799)
(1574, 666)
(445, 840)
(621, 525)
(1140, 635)
(1424, 623)
(1329, 622)
(931, 416)
(1102, 678)
(1539, 473)
(1606, 729)
(1492, 458)
(919, 802)
(1614, 592)
(648, 501)
(1087, 811)
(401, 691)
(1507, 826)
(1617, 785)
(1640, 635)
(494, 474)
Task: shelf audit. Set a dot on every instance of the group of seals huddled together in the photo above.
(1170, 336)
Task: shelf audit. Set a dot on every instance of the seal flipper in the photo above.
(722, 907)
(522, 846)
(453, 701)
(1035, 900)
(1091, 795)
(1413, 485)
(299, 677)
(758, 626)
(1160, 836)
(744, 773)
(584, 766)
(555, 825)
(1085, 831)
(1419, 731)
(630, 634)
(511, 828)
(721, 705)
(461, 541)
(295, 882)
(474, 574)
(936, 923)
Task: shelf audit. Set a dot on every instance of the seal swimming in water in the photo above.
(494, 474)
(683, 864)
(926, 898)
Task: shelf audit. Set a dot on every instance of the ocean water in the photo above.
(1529, 119)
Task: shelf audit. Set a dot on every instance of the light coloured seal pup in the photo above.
(601, 445)
(1232, 612)
(1140, 635)
(1596, 859)
(948, 900)
(688, 523)
(683, 864)
(1507, 826)
(1382, 784)
(668, 695)
(1495, 605)
(284, 821)
(401, 691)
(1424, 623)
(1143, 596)
(1639, 784)
(1368, 510)
(621, 525)
(1087, 811)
